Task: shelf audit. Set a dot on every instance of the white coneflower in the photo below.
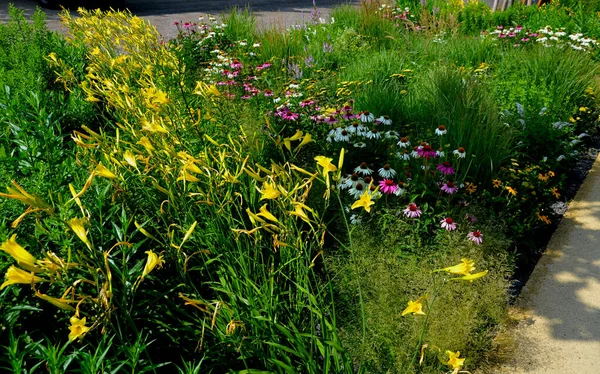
(373, 134)
(404, 143)
(360, 145)
(355, 219)
(441, 130)
(440, 152)
(403, 155)
(391, 134)
(401, 189)
(342, 136)
(357, 190)
(387, 172)
(293, 86)
(367, 117)
(460, 152)
(363, 169)
(350, 181)
(415, 152)
(386, 120)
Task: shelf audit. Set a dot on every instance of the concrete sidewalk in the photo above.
(560, 331)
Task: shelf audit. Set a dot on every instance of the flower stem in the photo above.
(352, 254)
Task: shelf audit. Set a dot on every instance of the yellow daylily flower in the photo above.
(269, 191)
(78, 328)
(253, 217)
(24, 259)
(130, 158)
(77, 225)
(307, 139)
(60, 303)
(24, 197)
(472, 277)
(145, 142)
(152, 261)
(102, 171)
(299, 212)
(364, 201)
(265, 213)
(15, 275)
(297, 136)
(454, 361)
(325, 163)
(414, 307)
(464, 268)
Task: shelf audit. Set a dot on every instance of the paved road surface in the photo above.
(162, 13)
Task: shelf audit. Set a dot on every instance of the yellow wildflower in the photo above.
(145, 142)
(78, 328)
(472, 277)
(307, 139)
(543, 218)
(77, 225)
(60, 303)
(102, 171)
(20, 254)
(511, 190)
(555, 192)
(269, 191)
(325, 163)
(497, 183)
(130, 158)
(414, 307)
(464, 268)
(15, 275)
(265, 213)
(455, 361)
(470, 188)
(364, 201)
(543, 177)
(551, 174)
(299, 212)
(152, 261)
(24, 197)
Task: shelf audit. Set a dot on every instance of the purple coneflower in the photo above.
(448, 224)
(450, 188)
(475, 236)
(388, 186)
(412, 211)
(268, 93)
(331, 120)
(426, 151)
(445, 168)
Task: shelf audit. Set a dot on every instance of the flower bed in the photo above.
(237, 200)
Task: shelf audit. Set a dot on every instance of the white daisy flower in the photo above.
(387, 172)
(386, 120)
(373, 134)
(363, 169)
(367, 117)
(360, 145)
(404, 143)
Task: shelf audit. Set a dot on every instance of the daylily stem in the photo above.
(424, 328)
(360, 297)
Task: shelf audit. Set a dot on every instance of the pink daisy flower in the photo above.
(445, 168)
(475, 236)
(412, 211)
(388, 186)
(426, 151)
(448, 224)
(450, 188)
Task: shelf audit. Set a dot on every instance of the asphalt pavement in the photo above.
(162, 13)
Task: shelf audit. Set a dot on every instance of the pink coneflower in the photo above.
(426, 151)
(305, 103)
(448, 224)
(268, 93)
(290, 116)
(388, 186)
(245, 97)
(450, 188)
(412, 211)
(347, 115)
(445, 168)
(263, 66)
(331, 120)
(475, 236)
(236, 64)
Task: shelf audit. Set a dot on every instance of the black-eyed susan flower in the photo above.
(511, 190)
(496, 183)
